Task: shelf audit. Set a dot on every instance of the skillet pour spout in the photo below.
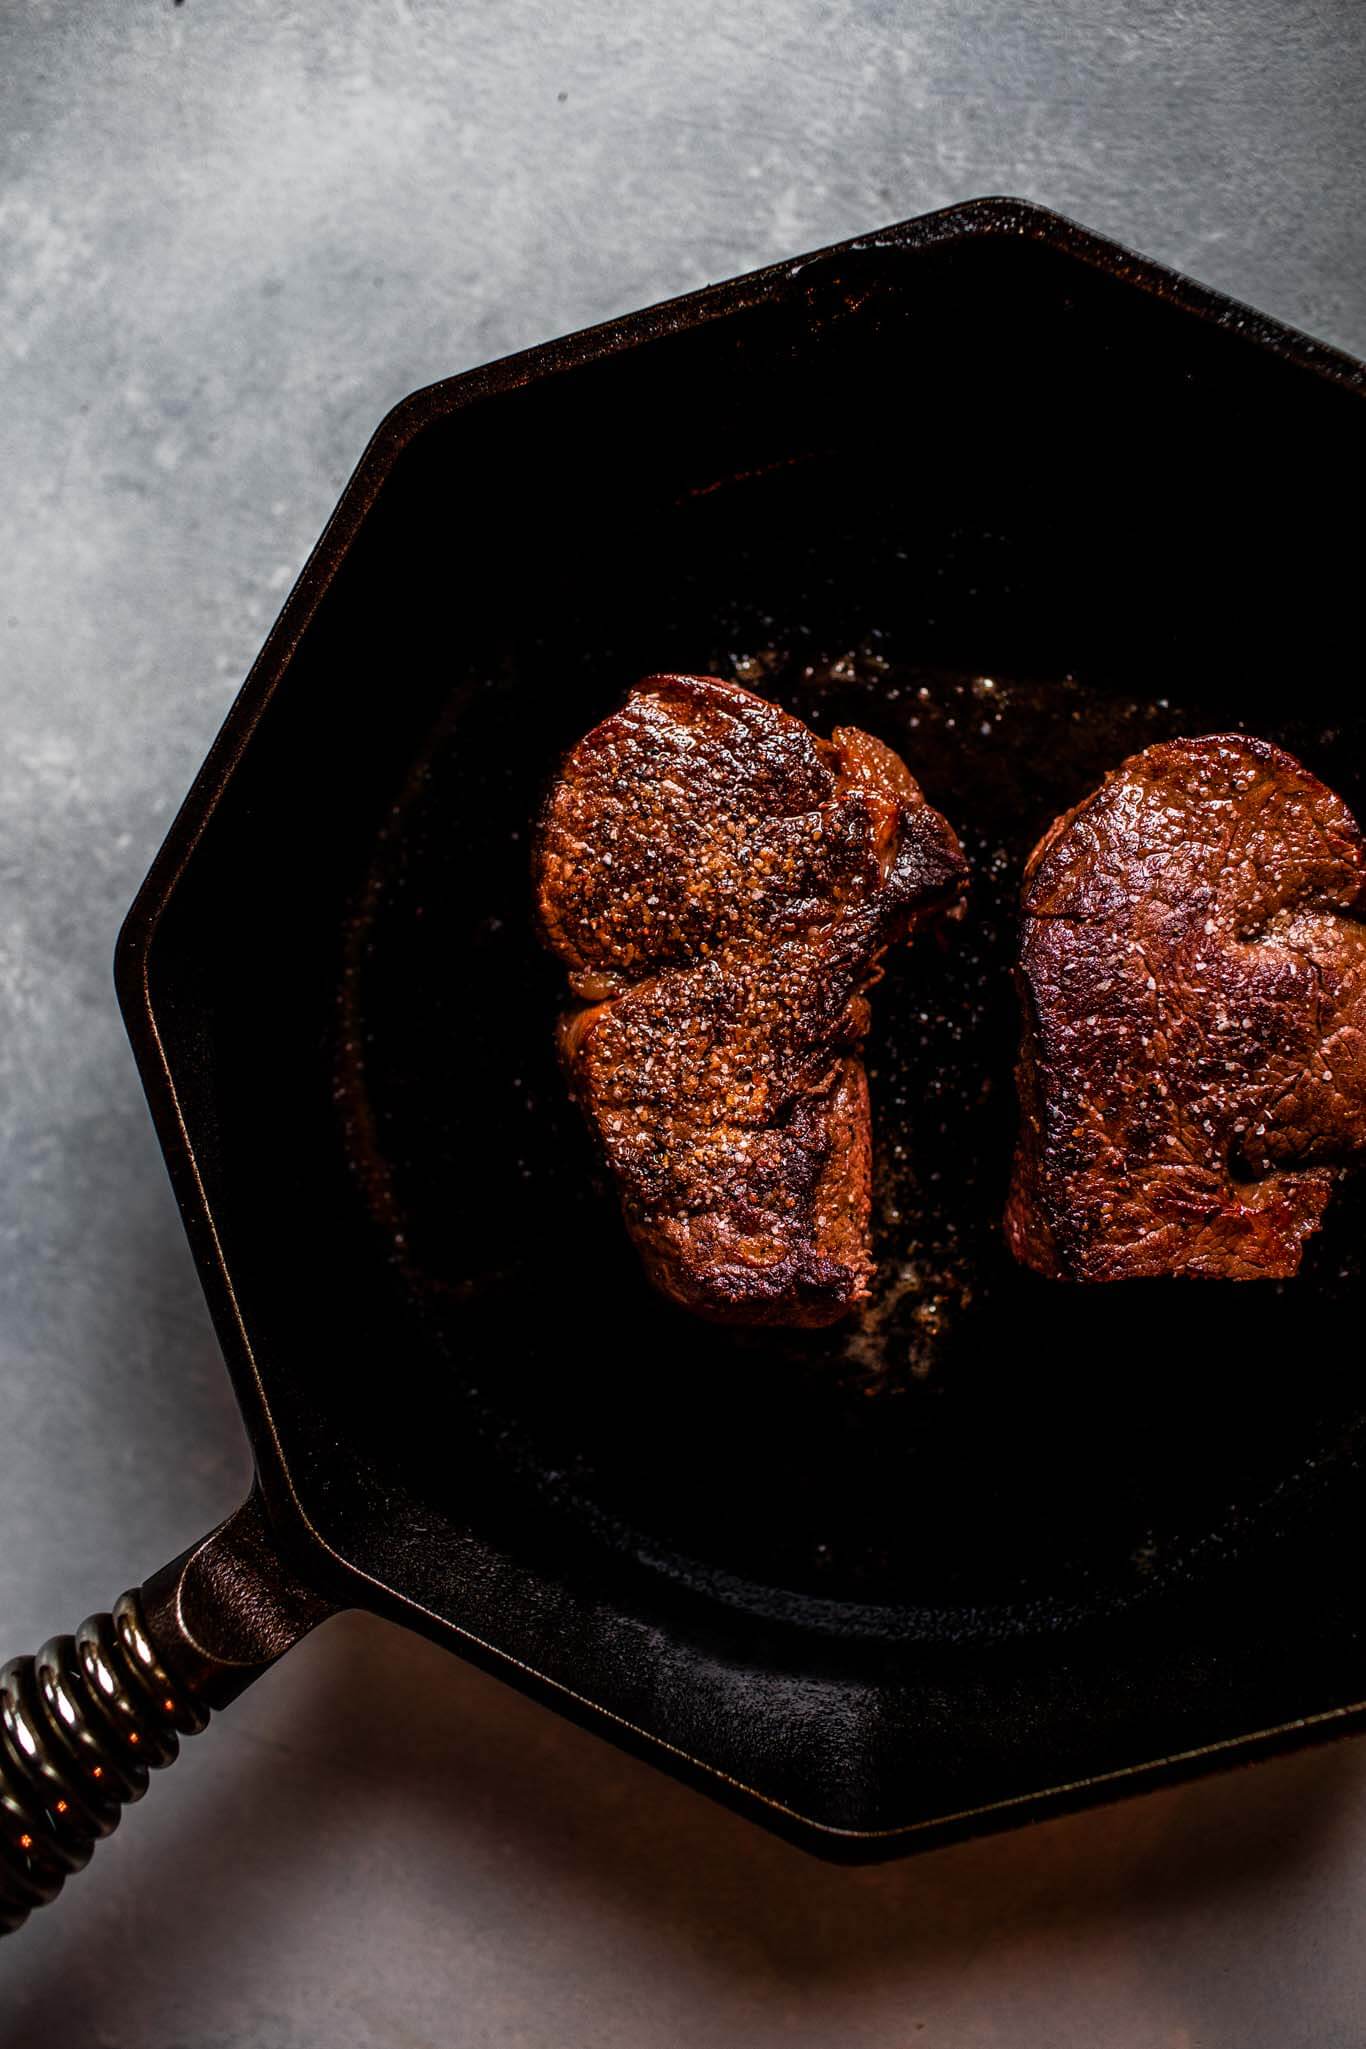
(85, 1722)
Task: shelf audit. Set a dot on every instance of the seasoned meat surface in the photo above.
(1192, 977)
(721, 886)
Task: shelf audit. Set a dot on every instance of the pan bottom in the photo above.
(979, 1451)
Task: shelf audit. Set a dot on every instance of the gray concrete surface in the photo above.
(231, 233)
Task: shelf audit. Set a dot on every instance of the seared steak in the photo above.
(721, 885)
(1193, 980)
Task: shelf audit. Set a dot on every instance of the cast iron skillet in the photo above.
(1020, 503)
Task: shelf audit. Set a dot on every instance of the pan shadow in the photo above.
(399, 1770)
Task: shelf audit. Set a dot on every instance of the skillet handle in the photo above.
(83, 1723)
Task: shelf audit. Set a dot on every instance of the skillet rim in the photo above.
(990, 217)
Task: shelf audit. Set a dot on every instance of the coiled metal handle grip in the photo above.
(81, 1727)
(85, 1722)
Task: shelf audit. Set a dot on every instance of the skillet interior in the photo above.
(867, 503)
(979, 1448)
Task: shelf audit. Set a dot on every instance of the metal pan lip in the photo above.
(995, 217)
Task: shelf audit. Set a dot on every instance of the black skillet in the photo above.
(1021, 503)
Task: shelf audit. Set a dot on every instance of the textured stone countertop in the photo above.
(232, 232)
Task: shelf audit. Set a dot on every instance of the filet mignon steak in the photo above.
(721, 885)
(1192, 975)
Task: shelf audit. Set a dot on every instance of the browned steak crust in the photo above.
(1193, 982)
(721, 885)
